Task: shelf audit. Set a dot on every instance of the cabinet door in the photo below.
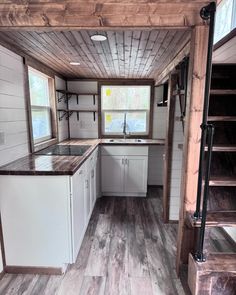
(135, 174)
(92, 190)
(78, 212)
(112, 174)
(87, 199)
(94, 182)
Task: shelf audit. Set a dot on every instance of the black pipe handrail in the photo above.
(199, 255)
(207, 133)
(206, 13)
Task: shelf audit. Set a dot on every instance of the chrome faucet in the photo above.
(125, 126)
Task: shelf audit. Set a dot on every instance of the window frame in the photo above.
(149, 117)
(219, 38)
(43, 142)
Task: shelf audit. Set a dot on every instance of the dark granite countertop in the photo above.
(34, 164)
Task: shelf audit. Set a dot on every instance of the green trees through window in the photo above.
(125, 104)
(40, 106)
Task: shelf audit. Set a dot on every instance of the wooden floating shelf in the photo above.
(80, 111)
(75, 93)
(223, 91)
(67, 92)
(223, 181)
(223, 148)
(87, 94)
(215, 219)
(221, 118)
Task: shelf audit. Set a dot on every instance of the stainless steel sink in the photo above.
(126, 140)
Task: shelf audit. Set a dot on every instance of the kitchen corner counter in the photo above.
(35, 164)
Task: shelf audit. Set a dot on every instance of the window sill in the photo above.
(44, 144)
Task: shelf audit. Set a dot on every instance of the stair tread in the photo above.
(216, 218)
(223, 148)
(223, 181)
(223, 91)
(221, 118)
(223, 262)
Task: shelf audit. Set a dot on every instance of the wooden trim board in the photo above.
(2, 248)
(192, 136)
(2, 275)
(33, 270)
(168, 148)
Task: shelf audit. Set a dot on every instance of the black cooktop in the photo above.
(64, 150)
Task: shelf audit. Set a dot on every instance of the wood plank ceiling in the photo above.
(125, 54)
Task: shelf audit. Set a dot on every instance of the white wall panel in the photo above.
(155, 158)
(85, 126)
(159, 115)
(63, 134)
(13, 118)
(13, 121)
(176, 166)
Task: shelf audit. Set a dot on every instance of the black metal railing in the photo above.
(207, 13)
(199, 255)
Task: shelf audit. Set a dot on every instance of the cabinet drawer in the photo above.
(124, 150)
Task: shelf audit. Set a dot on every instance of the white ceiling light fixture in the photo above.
(74, 63)
(98, 37)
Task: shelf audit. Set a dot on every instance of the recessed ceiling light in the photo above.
(74, 63)
(98, 37)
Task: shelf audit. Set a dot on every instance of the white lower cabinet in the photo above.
(124, 170)
(84, 190)
(135, 180)
(112, 173)
(78, 212)
(44, 218)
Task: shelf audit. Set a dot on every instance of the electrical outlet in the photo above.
(2, 138)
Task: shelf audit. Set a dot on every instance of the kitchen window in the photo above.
(225, 19)
(42, 103)
(125, 109)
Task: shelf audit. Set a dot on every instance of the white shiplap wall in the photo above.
(85, 127)
(176, 167)
(159, 115)
(60, 84)
(155, 159)
(13, 124)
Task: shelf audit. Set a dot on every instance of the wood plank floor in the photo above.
(127, 250)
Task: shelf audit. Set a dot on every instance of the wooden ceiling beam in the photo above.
(39, 14)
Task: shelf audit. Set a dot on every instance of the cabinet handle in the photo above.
(126, 161)
(81, 172)
(123, 161)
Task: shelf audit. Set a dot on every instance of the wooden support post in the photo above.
(192, 136)
(168, 146)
